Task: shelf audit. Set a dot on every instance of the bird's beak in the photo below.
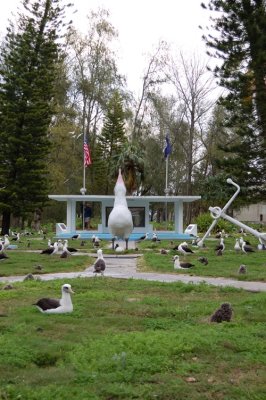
(71, 291)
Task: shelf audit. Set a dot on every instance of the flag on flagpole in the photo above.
(168, 148)
(87, 154)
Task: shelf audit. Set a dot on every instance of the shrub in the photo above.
(204, 221)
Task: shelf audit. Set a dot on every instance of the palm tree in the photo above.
(131, 162)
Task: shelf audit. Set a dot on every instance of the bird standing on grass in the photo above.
(6, 242)
(120, 222)
(57, 306)
(237, 246)
(224, 313)
(220, 247)
(99, 266)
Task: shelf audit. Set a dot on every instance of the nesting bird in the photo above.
(224, 313)
(261, 246)
(184, 249)
(241, 242)
(51, 250)
(57, 306)
(16, 238)
(144, 237)
(164, 251)
(3, 256)
(218, 235)
(155, 238)
(246, 248)
(96, 242)
(120, 222)
(203, 260)
(75, 237)
(67, 248)
(99, 266)
(242, 269)
(119, 249)
(181, 265)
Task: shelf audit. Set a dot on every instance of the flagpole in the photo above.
(166, 189)
(83, 189)
(167, 152)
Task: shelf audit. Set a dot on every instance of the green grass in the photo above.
(129, 339)
(20, 263)
(226, 265)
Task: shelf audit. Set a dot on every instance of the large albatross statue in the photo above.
(120, 221)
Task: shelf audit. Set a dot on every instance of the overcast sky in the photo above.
(140, 25)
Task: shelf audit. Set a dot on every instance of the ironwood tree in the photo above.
(28, 69)
(238, 40)
(112, 138)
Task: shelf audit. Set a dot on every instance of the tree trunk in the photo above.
(5, 222)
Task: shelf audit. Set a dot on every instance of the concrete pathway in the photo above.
(124, 267)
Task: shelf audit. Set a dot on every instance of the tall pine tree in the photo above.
(239, 41)
(28, 68)
(112, 138)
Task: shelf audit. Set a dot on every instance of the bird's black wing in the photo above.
(71, 249)
(47, 303)
(186, 265)
(187, 249)
(48, 251)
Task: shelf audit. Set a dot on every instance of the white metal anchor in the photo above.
(217, 212)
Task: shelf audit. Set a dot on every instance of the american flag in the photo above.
(87, 154)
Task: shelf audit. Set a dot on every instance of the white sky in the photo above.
(140, 25)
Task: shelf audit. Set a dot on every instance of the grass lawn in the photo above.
(226, 265)
(21, 262)
(130, 339)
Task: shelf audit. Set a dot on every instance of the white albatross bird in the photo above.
(181, 265)
(120, 221)
(6, 242)
(119, 249)
(57, 306)
(237, 246)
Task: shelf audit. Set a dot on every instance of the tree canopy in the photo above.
(29, 56)
(238, 40)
